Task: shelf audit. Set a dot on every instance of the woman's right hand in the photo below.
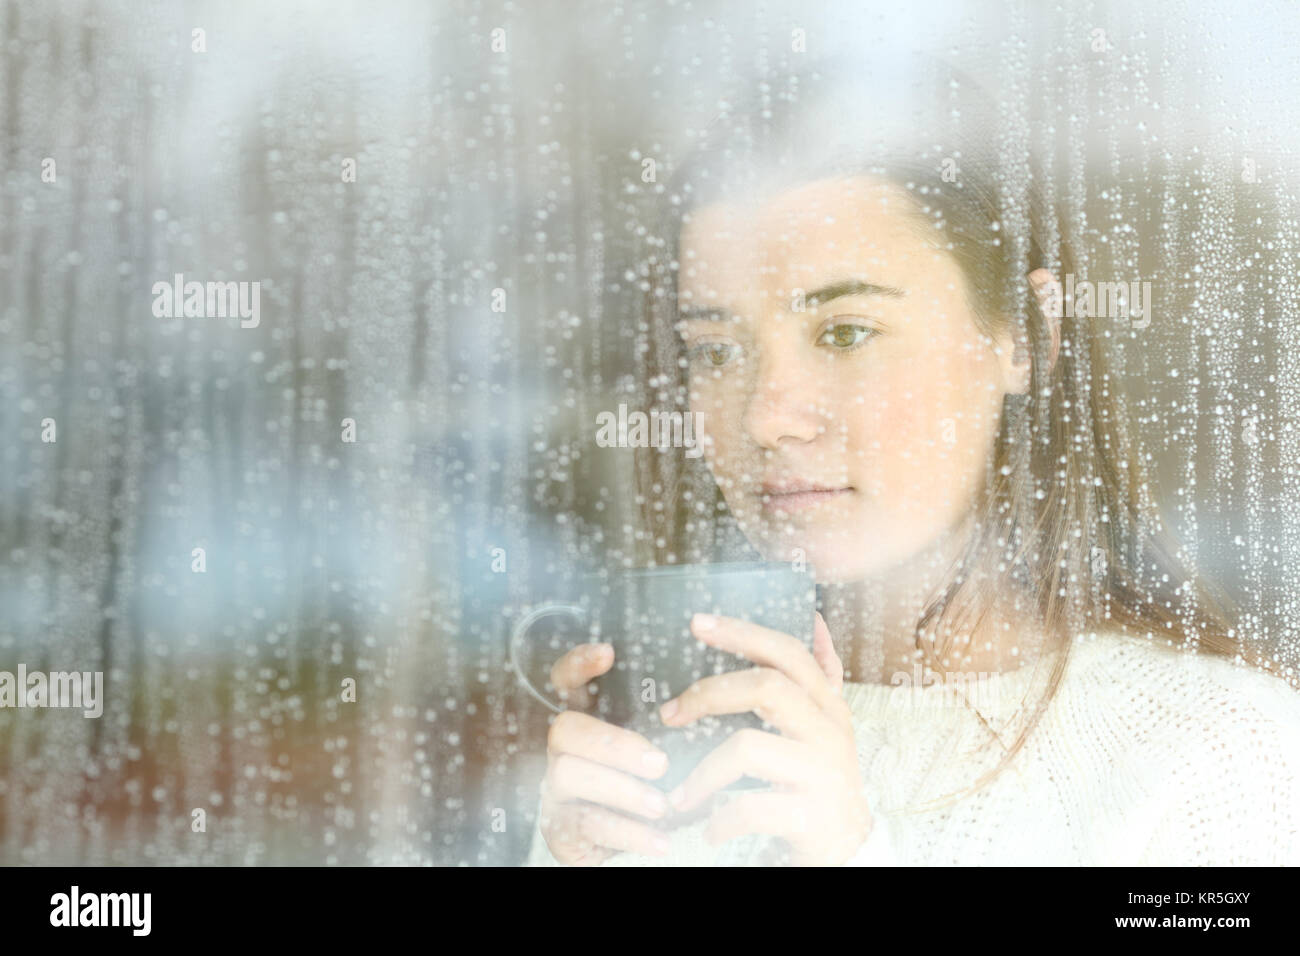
(594, 801)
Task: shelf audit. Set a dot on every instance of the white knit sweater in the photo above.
(1147, 755)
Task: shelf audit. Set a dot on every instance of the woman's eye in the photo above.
(845, 336)
(713, 354)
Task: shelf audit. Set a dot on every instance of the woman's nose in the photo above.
(784, 403)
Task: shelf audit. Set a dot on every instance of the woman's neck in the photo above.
(873, 621)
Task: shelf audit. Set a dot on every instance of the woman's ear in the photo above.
(1050, 304)
(1017, 366)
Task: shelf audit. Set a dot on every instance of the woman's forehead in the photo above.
(813, 199)
(823, 227)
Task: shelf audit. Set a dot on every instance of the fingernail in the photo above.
(677, 797)
(596, 652)
(668, 710)
(703, 623)
(654, 760)
(655, 803)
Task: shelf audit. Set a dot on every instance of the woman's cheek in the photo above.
(913, 444)
(960, 430)
(722, 453)
(895, 416)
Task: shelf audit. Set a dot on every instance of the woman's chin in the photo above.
(837, 548)
(830, 562)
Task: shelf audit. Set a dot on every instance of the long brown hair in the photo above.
(1066, 515)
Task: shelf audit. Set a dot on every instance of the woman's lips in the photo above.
(790, 501)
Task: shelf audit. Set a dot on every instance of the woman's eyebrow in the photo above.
(696, 313)
(845, 287)
(827, 293)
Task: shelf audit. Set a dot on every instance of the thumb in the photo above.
(824, 654)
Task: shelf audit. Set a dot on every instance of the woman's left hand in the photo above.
(816, 803)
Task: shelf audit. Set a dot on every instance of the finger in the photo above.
(573, 778)
(765, 691)
(590, 833)
(747, 752)
(772, 648)
(824, 653)
(583, 735)
(571, 674)
(770, 812)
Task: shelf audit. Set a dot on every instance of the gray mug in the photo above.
(645, 615)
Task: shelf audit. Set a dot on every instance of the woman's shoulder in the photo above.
(1158, 686)
(1210, 745)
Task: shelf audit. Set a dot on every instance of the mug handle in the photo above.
(521, 629)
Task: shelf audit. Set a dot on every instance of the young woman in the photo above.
(861, 295)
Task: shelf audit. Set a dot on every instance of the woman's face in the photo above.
(850, 403)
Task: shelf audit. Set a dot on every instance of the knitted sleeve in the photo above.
(1234, 799)
(540, 854)
(878, 849)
